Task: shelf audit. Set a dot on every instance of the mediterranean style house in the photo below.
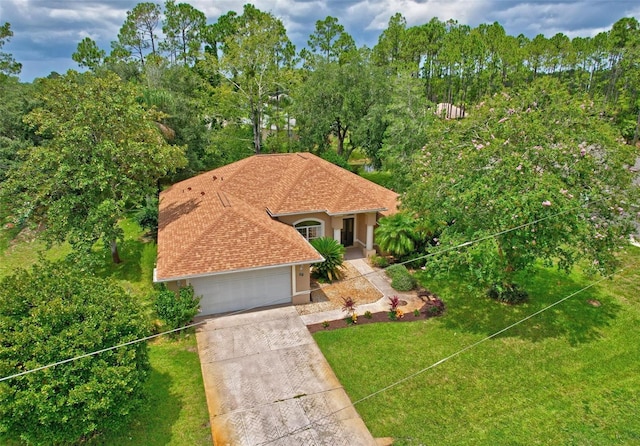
(240, 234)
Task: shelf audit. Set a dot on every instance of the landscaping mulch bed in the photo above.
(382, 316)
(328, 296)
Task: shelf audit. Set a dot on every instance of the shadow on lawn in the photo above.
(129, 269)
(151, 424)
(575, 319)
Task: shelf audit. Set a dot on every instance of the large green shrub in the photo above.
(401, 278)
(333, 253)
(396, 234)
(176, 309)
(147, 216)
(55, 312)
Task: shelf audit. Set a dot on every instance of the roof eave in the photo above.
(238, 270)
(331, 214)
(360, 211)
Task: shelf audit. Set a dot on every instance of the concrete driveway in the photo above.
(267, 383)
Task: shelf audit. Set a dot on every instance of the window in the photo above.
(309, 229)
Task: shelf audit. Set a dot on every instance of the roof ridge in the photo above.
(234, 168)
(285, 183)
(353, 181)
(212, 220)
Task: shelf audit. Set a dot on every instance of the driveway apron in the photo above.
(267, 383)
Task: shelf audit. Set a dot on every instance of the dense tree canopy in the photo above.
(102, 153)
(255, 58)
(237, 86)
(15, 135)
(53, 313)
(537, 154)
(336, 100)
(8, 65)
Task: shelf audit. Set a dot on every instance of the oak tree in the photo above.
(55, 312)
(101, 154)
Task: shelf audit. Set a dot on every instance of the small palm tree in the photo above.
(333, 253)
(396, 234)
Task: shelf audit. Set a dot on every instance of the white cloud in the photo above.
(419, 12)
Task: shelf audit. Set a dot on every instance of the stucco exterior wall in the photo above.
(291, 219)
(360, 236)
(175, 285)
(301, 292)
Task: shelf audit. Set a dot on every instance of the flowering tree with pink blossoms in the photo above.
(539, 160)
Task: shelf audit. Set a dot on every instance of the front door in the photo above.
(346, 234)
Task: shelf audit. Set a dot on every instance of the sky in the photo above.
(47, 32)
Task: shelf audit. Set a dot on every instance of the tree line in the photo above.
(238, 86)
(176, 96)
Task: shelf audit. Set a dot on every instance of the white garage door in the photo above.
(239, 291)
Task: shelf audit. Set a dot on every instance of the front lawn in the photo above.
(570, 375)
(175, 411)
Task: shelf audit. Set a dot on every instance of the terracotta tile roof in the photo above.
(218, 221)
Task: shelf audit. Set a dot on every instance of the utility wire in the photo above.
(443, 360)
(461, 245)
(75, 358)
(433, 254)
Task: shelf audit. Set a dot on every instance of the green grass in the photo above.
(175, 410)
(23, 251)
(138, 255)
(570, 375)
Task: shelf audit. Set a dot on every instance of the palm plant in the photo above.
(396, 234)
(333, 253)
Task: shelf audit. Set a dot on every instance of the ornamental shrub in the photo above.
(395, 270)
(349, 305)
(401, 279)
(394, 302)
(147, 216)
(396, 234)
(333, 253)
(379, 261)
(433, 307)
(176, 309)
(55, 312)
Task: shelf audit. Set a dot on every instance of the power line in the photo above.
(441, 251)
(445, 359)
(461, 245)
(75, 358)
(477, 240)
